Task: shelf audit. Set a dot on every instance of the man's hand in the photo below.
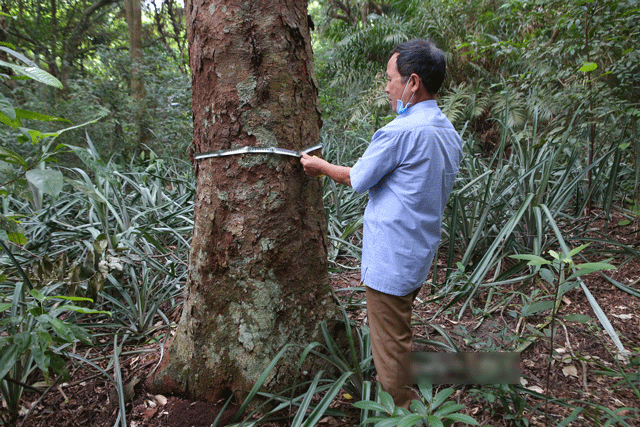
(312, 165)
(315, 166)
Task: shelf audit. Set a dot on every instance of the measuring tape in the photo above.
(256, 150)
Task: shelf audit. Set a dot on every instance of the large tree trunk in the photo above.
(258, 269)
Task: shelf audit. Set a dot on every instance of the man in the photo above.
(409, 169)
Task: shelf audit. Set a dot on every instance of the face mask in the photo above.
(400, 108)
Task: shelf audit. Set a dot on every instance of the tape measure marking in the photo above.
(256, 150)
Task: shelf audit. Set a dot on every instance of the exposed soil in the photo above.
(581, 350)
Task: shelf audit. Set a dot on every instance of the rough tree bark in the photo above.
(258, 264)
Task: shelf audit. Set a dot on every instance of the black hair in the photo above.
(423, 58)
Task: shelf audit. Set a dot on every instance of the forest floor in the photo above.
(582, 349)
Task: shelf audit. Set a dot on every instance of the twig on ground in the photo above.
(37, 402)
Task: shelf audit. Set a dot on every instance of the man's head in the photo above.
(415, 72)
(424, 59)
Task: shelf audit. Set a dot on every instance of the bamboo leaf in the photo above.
(369, 405)
(32, 115)
(604, 320)
(595, 266)
(587, 67)
(580, 318)
(37, 295)
(433, 421)
(304, 405)
(537, 307)
(48, 181)
(462, 418)
(319, 410)
(577, 250)
(387, 401)
(441, 397)
(84, 310)
(61, 329)
(410, 420)
(8, 356)
(533, 259)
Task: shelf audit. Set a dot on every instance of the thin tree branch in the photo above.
(37, 402)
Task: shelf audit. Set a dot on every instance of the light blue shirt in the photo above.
(409, 169)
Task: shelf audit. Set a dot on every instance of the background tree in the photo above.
(170, 25)
(133, 9)
(258, 264)
(59, 35)
(86, 45)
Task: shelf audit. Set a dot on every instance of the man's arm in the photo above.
(315, 166)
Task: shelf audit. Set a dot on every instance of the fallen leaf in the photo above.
(623, 357)
(570, 370)
(623, 316)
(149, 413)
(41, 384)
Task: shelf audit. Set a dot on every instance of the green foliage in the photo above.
(167, 104)
(16, 172)
(29, 70)
(80, 242)
(82, 44)
(138, 305)
(139, 280)
(431, 410)
(34, 333)
(11, 231)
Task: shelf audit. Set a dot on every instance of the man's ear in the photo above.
(415, 81)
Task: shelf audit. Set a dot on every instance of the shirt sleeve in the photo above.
(380, 158)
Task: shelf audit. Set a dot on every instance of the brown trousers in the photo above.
(391, 341)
